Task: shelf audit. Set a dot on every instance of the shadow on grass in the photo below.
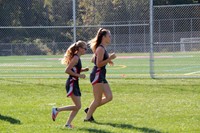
(131, 127)
(92, 130)
(10, 119)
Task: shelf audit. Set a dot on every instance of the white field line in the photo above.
(192, 73)
(18, 65)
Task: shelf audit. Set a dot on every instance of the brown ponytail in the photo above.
(95, 42)
(71, 51)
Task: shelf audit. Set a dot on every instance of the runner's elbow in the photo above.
(67, 71)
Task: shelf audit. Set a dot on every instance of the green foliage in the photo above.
(60, 13)
(41, 47)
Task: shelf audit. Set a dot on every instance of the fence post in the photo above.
(151, 40)
(74, 19)
(144, 48)
(191, 45)
(114, 38)
(173, 34)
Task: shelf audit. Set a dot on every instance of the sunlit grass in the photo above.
(139, 105)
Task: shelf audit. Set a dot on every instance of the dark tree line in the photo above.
(60, 13)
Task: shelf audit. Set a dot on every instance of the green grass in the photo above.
(31, 85)
(135, 65)
(139, 105)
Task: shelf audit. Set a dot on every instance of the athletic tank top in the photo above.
(104, 57)
(76, 68)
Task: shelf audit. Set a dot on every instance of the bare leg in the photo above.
(107, 93)
(98, 92)
(77, 102)
(73, 108)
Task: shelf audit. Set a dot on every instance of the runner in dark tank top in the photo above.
(73, 68)
(101, 89)
(98, 75)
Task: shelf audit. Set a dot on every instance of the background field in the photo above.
(166, 65)
(50, 66)
(32, 85)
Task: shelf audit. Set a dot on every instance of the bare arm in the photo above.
(111, 63)
(93, 58)
(85, 69)
(100, 53)
(68, 70)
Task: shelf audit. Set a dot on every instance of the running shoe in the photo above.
(91, 118)
(54, 114)
(69, 126)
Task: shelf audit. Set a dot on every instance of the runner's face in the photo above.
(83, 49)
(108, 38)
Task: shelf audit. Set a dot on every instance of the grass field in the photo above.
(31, 85)
(139, 105)
(50, 66)
(166, 65)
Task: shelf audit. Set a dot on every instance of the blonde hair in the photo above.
(95, 42)
(71, 51)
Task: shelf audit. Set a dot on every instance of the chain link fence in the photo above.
(34, 31)
(128, 22)
(176, 41)
(36, 34)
